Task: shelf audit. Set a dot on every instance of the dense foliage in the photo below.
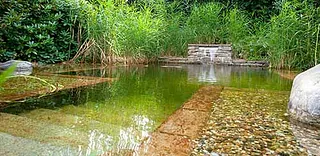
(37, 30)
(284, 32)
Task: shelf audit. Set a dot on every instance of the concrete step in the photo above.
(72, 121)
(92, 142)
(17, 146)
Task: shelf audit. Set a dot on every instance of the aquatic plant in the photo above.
(207, 24)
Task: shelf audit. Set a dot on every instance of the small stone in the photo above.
(214, 154)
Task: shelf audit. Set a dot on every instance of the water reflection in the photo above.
(128, 139)
(237, 76)
(98, 143)
(208, 73)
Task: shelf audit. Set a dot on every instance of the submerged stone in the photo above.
(304, 104)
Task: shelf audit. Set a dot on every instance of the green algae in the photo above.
(71, 121)
(24, 85)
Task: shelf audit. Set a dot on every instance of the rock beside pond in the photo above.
(22, 67)
(304, 104)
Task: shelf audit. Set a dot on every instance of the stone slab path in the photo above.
(17, 146)
(41, 131)
(174, 136)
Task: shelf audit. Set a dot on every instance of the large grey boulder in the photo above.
(304, 104)
(22, 67)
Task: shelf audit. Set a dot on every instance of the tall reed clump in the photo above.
(293, 36)
(238, 31)
(177, 36)
(206, 24)
(213, 23)
(117, 30)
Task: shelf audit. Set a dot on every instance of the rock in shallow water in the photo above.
(22, 67)
(304, 104)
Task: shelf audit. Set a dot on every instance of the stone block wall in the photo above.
(210, 53)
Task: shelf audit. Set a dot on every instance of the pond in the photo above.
(117, 116)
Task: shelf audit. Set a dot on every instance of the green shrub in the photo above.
(257, 9)
(37, 30)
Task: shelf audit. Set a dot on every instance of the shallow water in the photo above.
(120, 114)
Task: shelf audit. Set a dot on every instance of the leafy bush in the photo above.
(37, 30)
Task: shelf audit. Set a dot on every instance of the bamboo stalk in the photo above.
(316, 49)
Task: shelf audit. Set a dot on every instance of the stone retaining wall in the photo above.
(210, 53)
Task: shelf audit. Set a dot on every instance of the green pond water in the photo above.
(118, 115)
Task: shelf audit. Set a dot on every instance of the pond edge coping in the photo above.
(173, 138)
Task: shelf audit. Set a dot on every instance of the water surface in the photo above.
(119, 115)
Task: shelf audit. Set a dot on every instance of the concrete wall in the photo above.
(210, 53)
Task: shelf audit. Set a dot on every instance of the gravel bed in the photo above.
(248, 122)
